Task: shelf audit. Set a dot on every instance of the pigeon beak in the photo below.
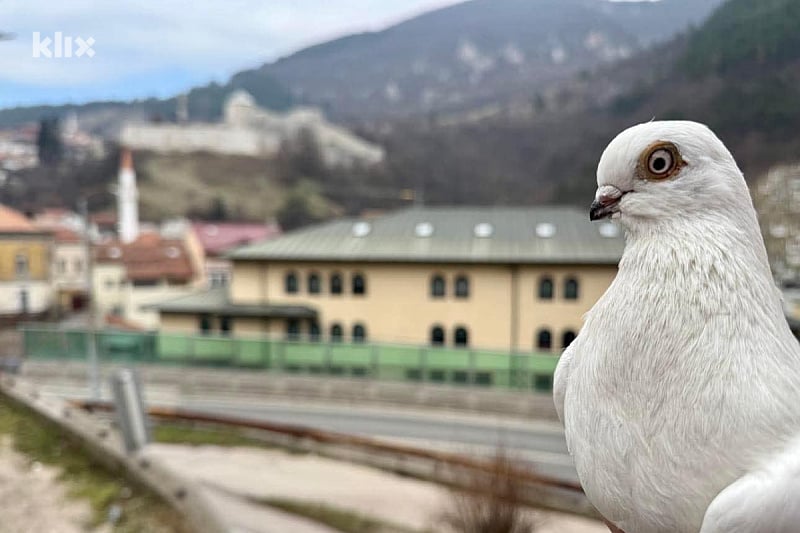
(606, 202)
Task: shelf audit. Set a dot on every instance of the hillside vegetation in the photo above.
(739, 73)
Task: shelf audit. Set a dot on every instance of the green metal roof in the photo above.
(216, 301)
(533, 235)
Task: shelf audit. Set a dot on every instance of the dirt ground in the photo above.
(32, 500)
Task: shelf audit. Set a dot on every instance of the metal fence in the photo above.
(431, 364)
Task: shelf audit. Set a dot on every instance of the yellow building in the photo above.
(514, 279)
(25, 287)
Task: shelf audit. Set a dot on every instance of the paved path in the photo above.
(258, 473)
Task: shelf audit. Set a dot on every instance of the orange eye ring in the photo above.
(661, 160)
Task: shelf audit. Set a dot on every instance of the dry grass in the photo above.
(490, 502)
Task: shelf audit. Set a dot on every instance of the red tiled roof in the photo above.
(104, 218)
(148, 258)
(12, 221)
(65, 235)
(219, 237)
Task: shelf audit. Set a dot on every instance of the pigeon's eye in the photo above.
(660, 161)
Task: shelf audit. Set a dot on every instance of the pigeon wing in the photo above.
(763, 501)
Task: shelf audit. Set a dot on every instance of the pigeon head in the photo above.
(663, 172)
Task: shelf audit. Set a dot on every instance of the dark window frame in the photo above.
(544, 340)
(462, 286)
(314, 282)
(291, 283)
(293, 329)
(438, 335)
(226, 326)
(572, 288)
(567, 338)
(358, 284)
(336, 332)
(359, 333)
(336, 284)
(547, 288)
(205, 325)
(461, 337)
(438, 286)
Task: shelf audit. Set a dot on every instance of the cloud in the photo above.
(196, 41)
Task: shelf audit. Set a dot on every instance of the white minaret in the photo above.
(127, 199)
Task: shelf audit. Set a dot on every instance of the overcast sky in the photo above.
(160, 47)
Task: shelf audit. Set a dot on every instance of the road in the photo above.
(540, 443)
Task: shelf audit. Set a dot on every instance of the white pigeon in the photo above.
(680, 398)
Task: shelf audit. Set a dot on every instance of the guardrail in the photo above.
(386, 362)
(441, 467)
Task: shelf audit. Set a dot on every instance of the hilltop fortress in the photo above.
(247, 129)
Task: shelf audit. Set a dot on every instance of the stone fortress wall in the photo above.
(250, 130)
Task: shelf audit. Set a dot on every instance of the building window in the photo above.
(461, 337)
(336, 333)
(571, 289)
(462, 287)
(21, 265)
(544, 340)
(314, 284)
(292, 285)
(225, 325)
(218, 278)
(437, 336)
(314, 332)
(545, 289)
(109, 283)
(336, 283)
(292, 329)
(359, 333)
(205, 324)
(145, 282)
(62, 266)
(77, 265)
(438, 286)
(359, 284)
(567, 339)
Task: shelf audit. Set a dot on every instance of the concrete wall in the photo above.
(502, 311)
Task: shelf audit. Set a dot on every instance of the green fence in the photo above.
(457, 366)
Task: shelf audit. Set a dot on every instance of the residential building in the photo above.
(219, 238)
(25, 255)
(128, 277)
(70, 273)
(69, 261)
(513, 279)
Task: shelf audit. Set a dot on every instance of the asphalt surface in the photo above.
(539, 443)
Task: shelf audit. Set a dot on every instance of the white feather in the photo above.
(684, 378)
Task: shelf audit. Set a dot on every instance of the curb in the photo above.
(105, 444)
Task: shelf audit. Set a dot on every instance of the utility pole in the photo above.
(91, 335)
